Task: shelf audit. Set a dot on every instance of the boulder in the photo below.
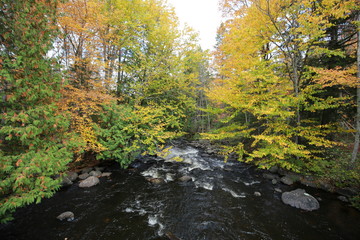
(274, 181)
(278, 190)
(300, 199)
(185, 178)
(106, 174)
(89, 182)
(69, 216)
(287, 180)
(72, 176)
(95, 173)
(84, 176)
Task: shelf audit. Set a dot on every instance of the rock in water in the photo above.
(69, 216)
(170, 177)
(287, 180)
(66, 182)
(270, 176)
(72, 176)
(300, 199)
(274, 169)
(343, 198)
(86, 170)
(95, 173)
(257, 194)
(155, 180)
(84, 176)
(185, 178)
(100, 169)
(106, 174)
(89, 182)
(171, 236)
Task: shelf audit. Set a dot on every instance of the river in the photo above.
(219, 203)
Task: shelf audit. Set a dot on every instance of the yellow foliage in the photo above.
(336, 77)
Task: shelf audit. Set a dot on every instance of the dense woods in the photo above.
(112, 79)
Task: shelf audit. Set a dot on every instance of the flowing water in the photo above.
(219, 203)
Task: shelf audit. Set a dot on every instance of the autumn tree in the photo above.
(263, 61)
(33, 134)
(129, 52)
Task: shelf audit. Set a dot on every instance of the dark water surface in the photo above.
(218, 204)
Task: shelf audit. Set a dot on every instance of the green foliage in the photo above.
(127, 131)
(335, 168)
(355, 201)
(32, 132)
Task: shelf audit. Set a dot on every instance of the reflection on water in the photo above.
(218, 203)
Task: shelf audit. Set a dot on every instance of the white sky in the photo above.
(202, 15)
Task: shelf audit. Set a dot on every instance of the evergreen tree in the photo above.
(32, 133)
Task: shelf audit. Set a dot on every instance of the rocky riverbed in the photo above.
(200, 197)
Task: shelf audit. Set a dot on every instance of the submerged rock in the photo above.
(300, 199)
(89, 182)
(171, 236)
(69, 216)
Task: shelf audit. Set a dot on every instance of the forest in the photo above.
(113, 79)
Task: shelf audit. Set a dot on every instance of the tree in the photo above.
(33, 134)
(357, 135)
(136, 59)
(263, 59)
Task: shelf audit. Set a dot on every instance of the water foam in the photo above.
(205, 185)
(234, 194)
(153, 220)
(151, 172)
(251, 183)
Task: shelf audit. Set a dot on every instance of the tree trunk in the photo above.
(357, 135)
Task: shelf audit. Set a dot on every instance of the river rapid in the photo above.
(217, 203)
